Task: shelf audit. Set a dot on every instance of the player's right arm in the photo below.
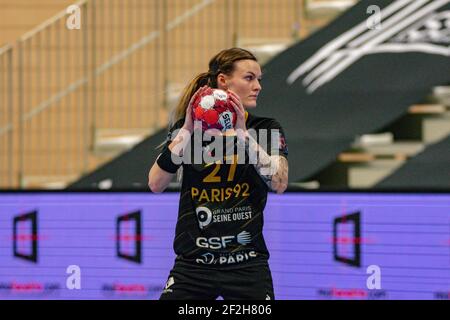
(158, 178)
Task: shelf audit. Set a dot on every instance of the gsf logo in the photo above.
(214, 242)
(243, 238)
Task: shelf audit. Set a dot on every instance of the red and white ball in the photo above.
(213, 108)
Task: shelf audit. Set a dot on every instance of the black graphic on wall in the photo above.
(129, 237)
(347, 235)
(25, 236)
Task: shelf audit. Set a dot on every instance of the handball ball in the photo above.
(213, 108)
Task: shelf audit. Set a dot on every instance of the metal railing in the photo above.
(118, 75)
(6, 115)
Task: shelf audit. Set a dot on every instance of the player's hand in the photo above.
(188, 121)
(240, 126)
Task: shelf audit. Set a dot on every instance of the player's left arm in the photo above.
(272, 168)
(279, 180)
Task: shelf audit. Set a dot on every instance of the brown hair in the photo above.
(223, 62)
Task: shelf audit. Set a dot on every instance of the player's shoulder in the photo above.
(257, 122)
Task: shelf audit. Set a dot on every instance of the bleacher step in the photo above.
(115, 141)
(265, 49)
(435, 128)
(407, 148)
(442, 95)
(321, 8)
(49, 182)
(368, 174)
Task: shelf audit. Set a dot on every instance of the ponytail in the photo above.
(180, 111)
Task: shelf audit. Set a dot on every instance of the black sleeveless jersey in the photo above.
(220, 218)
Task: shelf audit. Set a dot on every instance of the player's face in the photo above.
(245, 82)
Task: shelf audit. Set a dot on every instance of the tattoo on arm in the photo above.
(280, 178)
(273, 169)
